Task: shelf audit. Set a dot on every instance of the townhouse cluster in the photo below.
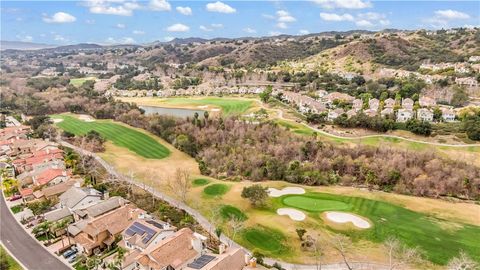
(197, 91)
(96, 222)
(402, 111)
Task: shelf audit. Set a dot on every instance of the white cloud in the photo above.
(284, 16)
(304, 32)
(281, 25)
(249, 30)
(25, 38)
(346, 4)
(449, 14)
(60, 17)
(184, 10)
(168, 38)
(217, 25)
(333, 17)
(138, 32)
(112, 7)
(160, 5)
(220, 7)
(268, 16)
(120, 26)
(178, 27)
(364, 23)
(206, 29)
(274, 33)
(60, 38)
(87, 21)
(124, 40)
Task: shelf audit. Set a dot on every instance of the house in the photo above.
(373, 104)
(370, 112)
(424, 114)
(407, 103)
(357, 104)
(321, 93)
(448, 115)
(174, 252)
(51, 177)
(403, 115)
(55, 191)
(79, 198)
(334, 114)
(102, 231)
(230, 259)
(386, 112)
(351, 113)
(330, 98)
(389, 103)
(425, 101)
(100, 208)
(143, 233)
(467, 81)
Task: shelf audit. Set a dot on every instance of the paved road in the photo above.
(211, 228)
(28, 251)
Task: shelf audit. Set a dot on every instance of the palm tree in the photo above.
(10, 185)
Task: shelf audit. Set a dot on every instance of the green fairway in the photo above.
(267, 240)
(229, 211)
(200, 182)
(313, 204)
(439, 239)
(136, 141)
(216, 189)
(229, 106)
(79, 81)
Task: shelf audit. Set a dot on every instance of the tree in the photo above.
(265, 95)
(301, 232)
(256, 194)
(400, 255)
(462, 262)
(236, 225)
(181, 184)
(460, 97)
(342, 244)
(471, 125)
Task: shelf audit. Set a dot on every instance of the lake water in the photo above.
(171, 111)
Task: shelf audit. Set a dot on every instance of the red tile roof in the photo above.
(50, 174)
(26, 192)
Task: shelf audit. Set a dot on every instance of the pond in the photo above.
(171, 111)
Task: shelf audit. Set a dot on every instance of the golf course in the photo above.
(440, 229)
(119, 135)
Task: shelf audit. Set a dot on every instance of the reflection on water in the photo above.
(171, 111)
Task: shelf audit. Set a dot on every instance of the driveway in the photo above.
(25, 249)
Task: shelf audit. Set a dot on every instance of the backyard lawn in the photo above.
(120, 135)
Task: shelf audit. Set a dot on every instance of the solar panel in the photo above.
(200, 262)
(154, 223)
(130, 232)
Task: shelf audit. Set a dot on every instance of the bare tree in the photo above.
(181, 184)
(342, 244)
(400, 255)
(462, 262)
(236, 224)
(318, 252)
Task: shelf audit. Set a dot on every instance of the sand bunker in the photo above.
(86, 118)
(341, 217)
(57, 120)
(215, 110)
(294, 214)
(202, 106)
(273, 192)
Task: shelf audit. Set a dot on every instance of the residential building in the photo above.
(389, 103)
(467, 81)
(145, 232)
(101, 232)
(370, 112)
(351, 113)
(425, 101)
(51, 177)
(79, 198)
(403, 115)
(357, 104)
(407, 103)
(334, 114)
(230, 259)
(448, 114)
(373, 104)
(424, 114)
(386, 112)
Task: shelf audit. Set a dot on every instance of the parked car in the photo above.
(15, 197)
(72, 258)
(69, 253)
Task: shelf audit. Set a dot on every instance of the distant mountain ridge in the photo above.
(21, 45)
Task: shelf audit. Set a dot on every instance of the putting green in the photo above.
(268, 240)
(314, 204)
(215, 189)
(200, 182)
(136, 141)
(229, 211)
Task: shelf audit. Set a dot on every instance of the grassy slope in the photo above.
(12, 263)
(439, 239)
(79, 81)
(120, 135)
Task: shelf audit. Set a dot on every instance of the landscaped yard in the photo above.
(17, 208)
(121, 135)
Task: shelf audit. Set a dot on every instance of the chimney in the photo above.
(106, 195)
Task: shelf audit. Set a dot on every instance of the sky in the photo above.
(139, 22)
